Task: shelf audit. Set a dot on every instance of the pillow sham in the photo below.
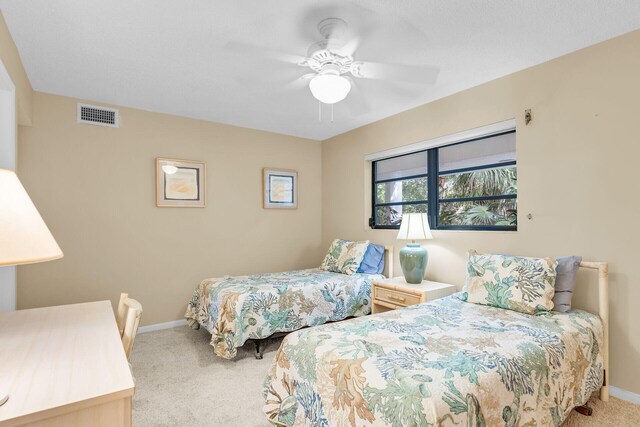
(565, 282)
(373, 261)
(514, 283)
(344, 256)
(330, 261)
(350, 260)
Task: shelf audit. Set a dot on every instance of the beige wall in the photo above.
(95, 188)
(577, 163)
(11, 59)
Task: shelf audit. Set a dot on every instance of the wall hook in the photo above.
(527, 116)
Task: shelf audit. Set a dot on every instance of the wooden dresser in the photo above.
(64, 366)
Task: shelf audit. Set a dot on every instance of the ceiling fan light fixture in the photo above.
(329, 88)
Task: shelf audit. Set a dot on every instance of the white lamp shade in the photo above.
(415, 226)
(329, 88)
(24, 237)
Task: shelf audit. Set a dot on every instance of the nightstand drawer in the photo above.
(395, 297)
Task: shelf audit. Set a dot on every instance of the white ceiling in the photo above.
(174, 56)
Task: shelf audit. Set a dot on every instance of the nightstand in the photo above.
(389, 294)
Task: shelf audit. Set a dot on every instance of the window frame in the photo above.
(433, 170)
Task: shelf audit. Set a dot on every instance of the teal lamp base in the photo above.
(413, 260)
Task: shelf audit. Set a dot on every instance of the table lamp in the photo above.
(24, 237)
(413, 257)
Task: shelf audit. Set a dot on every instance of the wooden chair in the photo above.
(128, 319)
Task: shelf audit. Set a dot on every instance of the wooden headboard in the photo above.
(388, 261)
(603, 311)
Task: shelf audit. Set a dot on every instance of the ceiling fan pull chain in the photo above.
(331, 113)
(319, 111)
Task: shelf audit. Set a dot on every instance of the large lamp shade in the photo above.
(24, 237)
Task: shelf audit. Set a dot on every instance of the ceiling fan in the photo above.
(333, 66)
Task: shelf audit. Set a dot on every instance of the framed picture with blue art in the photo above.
(280, 188)
(180, 183)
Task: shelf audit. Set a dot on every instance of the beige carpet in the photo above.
(180, 382)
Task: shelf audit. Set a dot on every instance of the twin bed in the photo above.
(237, 309)
(445, 362)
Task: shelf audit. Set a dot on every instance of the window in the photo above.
(469, 185)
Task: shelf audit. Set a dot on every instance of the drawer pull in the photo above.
(395, 298)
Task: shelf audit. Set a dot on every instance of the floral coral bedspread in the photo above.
(442, 363)
(235, 309)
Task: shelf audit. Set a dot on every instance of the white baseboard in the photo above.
(624, 395)
(160, 326)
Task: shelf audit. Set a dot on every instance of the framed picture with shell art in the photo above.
(180, 183)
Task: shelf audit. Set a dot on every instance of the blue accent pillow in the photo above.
(373, 261)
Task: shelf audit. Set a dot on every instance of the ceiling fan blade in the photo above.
(355, 101)
(405, 73)
(349, 47)
(300, 82)
(393, 91)
(263, 52)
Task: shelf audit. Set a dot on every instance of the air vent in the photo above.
(95, 115)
